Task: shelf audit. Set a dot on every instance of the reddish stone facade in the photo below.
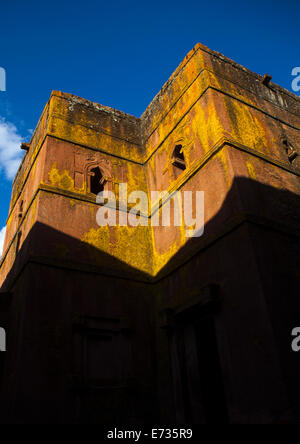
(142, 324)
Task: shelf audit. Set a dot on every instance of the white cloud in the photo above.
(10, 153)
(2, 237)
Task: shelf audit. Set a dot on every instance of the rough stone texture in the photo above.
(142, 324)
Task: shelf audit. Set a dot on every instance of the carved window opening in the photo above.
(96, 181)
(21, 210)
(292, 154)
(178, 159)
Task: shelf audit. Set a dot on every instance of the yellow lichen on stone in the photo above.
(33, 212)
(221, 155)
(246, 127)
(61, 180)
(9, 221)
(251, 170)
(117, 242)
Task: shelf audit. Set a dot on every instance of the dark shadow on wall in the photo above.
(63, 309)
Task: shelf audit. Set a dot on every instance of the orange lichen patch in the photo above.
(203, 124)
(246, 127)
(72, 202)
(182, 80)
(33, 212)
(221, 155)
(117, 242)
(30, 158)
(227, 87)
(61, 180)
(165, 246)
(181, 108)
(92, 210)
(86, 123)
(214, 125)
(251, 170)
(9, 221)
(136, 178)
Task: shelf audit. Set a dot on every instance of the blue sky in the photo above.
(120, 53)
